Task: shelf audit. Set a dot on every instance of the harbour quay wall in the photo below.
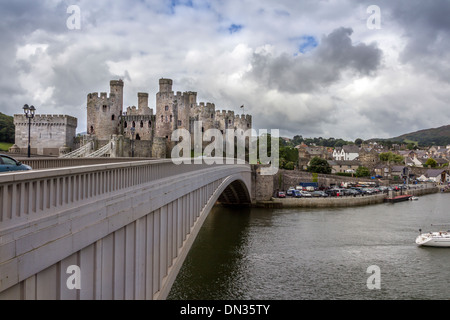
(330, 202)
(346, 201)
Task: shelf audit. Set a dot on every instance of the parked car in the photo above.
(281, 194)
(290, 191)
(305, 193)
(8, 164)
(352, 192)
(319, 194)
(297, 193)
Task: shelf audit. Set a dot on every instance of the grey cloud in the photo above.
(426, 27)
(322, 67)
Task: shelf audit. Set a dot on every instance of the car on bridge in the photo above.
(8, 164)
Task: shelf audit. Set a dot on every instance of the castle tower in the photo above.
(165, 85)
(103, 112)
(166, 110)
(143, 108)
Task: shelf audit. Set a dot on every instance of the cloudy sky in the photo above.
(305, 67)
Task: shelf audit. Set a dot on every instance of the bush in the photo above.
(319, 165)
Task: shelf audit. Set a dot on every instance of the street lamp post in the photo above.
(29, 113)
(133, 130)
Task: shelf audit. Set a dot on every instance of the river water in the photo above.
(296, 254)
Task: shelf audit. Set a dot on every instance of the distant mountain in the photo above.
(427, 137)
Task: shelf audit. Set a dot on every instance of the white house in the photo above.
(346, 153)
(435, 175)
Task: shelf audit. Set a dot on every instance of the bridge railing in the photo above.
(51, 163)
(31, 195)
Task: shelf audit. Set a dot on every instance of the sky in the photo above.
(306, 67)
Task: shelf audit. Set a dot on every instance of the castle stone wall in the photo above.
(48, 133)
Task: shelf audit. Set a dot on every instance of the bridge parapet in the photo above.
(49, 217)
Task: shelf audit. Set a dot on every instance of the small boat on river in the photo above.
(434, 239)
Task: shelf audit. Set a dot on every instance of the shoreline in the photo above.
(335, 202)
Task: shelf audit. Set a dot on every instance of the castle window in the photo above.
(125, 124)
(162, 118)
(229, 121)
(179, 122)
(134, 124)
(212, 115)
(105, 107)
(248, 125)
(92, 130)
(170, 118)
(149, 124)
(203, 129)
(112, 117)
(166, 108)
(142, 124)
(138, 137)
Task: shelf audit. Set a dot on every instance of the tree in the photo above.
(392, 157)
(319, 165)
(359, 142)
(362, 172)
(7, 128)
(411, 146)
(431, 163)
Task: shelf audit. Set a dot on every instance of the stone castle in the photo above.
(143, 132)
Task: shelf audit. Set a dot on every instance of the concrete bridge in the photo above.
(107, 231)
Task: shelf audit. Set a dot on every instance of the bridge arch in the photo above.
(127, 226)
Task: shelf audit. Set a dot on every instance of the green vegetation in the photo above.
(330, 142)
(423, 138)
(4, 146)
(430, 163)
(391, 157)
(7, 129)
(362, 172)
(319, 165)
(288, 157)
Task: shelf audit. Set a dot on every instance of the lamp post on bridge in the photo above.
(29, 113)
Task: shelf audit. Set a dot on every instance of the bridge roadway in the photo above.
(127, 226)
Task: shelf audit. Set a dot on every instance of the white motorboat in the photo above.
(434, 239)
(414, 198)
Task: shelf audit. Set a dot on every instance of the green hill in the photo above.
(428, 137)
(7, 129)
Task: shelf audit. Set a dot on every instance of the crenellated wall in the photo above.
(48, 133)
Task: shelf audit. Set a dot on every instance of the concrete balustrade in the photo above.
(128, 226)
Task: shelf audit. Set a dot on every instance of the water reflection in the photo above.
(317, 253)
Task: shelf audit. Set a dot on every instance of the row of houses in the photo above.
(348, 158)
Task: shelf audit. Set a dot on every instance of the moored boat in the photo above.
(434, 239)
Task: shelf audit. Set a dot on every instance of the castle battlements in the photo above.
(46, 119)
(174, 110)
(95, 96)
